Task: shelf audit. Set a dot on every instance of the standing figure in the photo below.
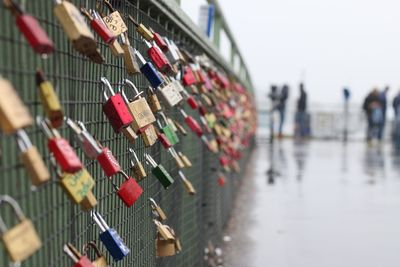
(373, 109)
(396, 132)
(274, 97)
(283, 96)
(383, 101)
(302, 120)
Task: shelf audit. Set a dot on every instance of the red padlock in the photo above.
(78, 259)
(164, 140)
(129, 191)
(192, 123)
(188, 78)
(62, 151)
(98, 25)
(31, 29)
(160, 42)
(158, 58)
(108, 162)
(201, 76)
(223, 160)
(202, 110)
(221, 180)
(115, 108)
(192, 102)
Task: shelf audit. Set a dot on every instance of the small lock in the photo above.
(88, 202)
(77, 185)
(100, 260)
(160, 41)
(153, 101)
(159, 172)
(142, 30)
(172, 53)
(22, 240)
(192, 123)
(32, 160)
(157, 211)
(165, 242)
(136, 166)
(129, 191)
(149, 135)
(180, 127)
(98, 25)
(139, 108)
(77, 258)
(110, 238)
(116, 48)
(131, 64)
(114, 20)
(149, 71)
(185, 159)
(167, 130)
(108, 162)
(14, 114)
(187, 184)
(50, 102)
(115, 108)
(188, 77)
(170, 95)
(158, 57)
(130, 134)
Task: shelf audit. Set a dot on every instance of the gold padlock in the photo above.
(177, 158)
(137, 166)
(139, 108)
(32, 160)
(75, 27)
(153, 101)
(100, 261)
(149, 135)
(114, 21)
(178, 245)
(165, 242)
(50, 102)
(156, 209)
(180, 127)
(131, 64)
(88, 202)
(77, 185)
(142, 30)
(22, 240)
(130, 134)
(187, 184)
(14, 114)
(116, 48)
(185, 160)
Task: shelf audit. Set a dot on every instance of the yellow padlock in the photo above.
(77, 185)
(159, 213)
(149, 135)
(187, 184)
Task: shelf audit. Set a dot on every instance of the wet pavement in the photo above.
(318, 204)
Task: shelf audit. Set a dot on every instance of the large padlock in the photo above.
(75, 27)
(115, 108)
(129, 191)
(62, 151)
(136, 166)
(165, 242)
(14, 114)
(149, 135)
(77, 258)
(22, 240)
(157, 211)
(108, 162)
(139, 108)
(131, 64)
(32, 160)
(114, 20)
(159, 172)
(50, 102)
(100, 260)
(170, 94)
(149, 71)
(110, 238)
(31, 29)
(158, 58)
(98, 25)
(77, 185)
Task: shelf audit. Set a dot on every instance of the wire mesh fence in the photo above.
(196, 219)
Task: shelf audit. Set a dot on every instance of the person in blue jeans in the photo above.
(301, 114)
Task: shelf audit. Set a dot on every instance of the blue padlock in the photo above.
(149, 71)
(110, 238)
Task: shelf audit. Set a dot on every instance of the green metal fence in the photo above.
(196, 219)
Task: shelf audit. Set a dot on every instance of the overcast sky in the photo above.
(335, 43)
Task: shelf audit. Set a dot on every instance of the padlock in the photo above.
(165, 242)
(167, 129)
(171, 53)
(77, 258)
(205, 124)
(149, 135)
(136, 166)
(188, 77)
(32, 160)
(114, 20)
(88, 202)
(159, 172)
(192, 123)
(14, 114)
(177, 242)
(31, 29)
(115, 108)
(172, 124)
(157, 211)
(159, 41)
(153, 101)
(129, 191)
(207, 100)
(75, 27)
(164, 140)
(50, 102)
(142, 30)
(180, 128)
(85, 140)
(98, 25)
(129, 134)
(110, 238)
(170, 94)
(116, 48)
(187, 184)
(139, 108)
(100, 260)
(22, 240)
(108, 162)
(221, 180)
(62, 151)
(202, 111)
(131, 64)
(185, 159)
(77, 185)
(158, 57)
(149, 71)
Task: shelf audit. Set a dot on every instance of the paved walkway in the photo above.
(325, 205)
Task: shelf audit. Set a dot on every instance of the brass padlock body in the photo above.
(149, 135)
(77, 185)
(138, 171)
(88, 202)
(35, 167)
(116, 48)
(154, 103)
(189, 187)
(131, 64)
(186, 161)
(51, 103)
(165, 248)
(141, 113)
(100, 262)
(130, 134)
(115, 23)
(21, 241)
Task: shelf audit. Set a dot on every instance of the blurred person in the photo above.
(396, 128)
(346, 95)
(383, 101)
(274, 98)
(373, 109)
(283, 96)
(301, 128)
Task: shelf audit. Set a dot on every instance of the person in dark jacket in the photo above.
(283, 96)
(383, 101)
(301, 114)
(373, 109)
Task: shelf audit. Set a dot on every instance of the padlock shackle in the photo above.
(182, 175)
(150, 160)
(23, 140)
(140, 56)
(134, 154)
(70, 252)
(133, 21)
(126, 176)
(153, 203)
(74, 126)
(86, 13)
(6, 199)
(129, 84)
(105, 84)
(15, 8)
(46, 129)
(98, 219)
(92, 245)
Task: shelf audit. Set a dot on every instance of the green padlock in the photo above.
(159, 172)
(168, 130)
